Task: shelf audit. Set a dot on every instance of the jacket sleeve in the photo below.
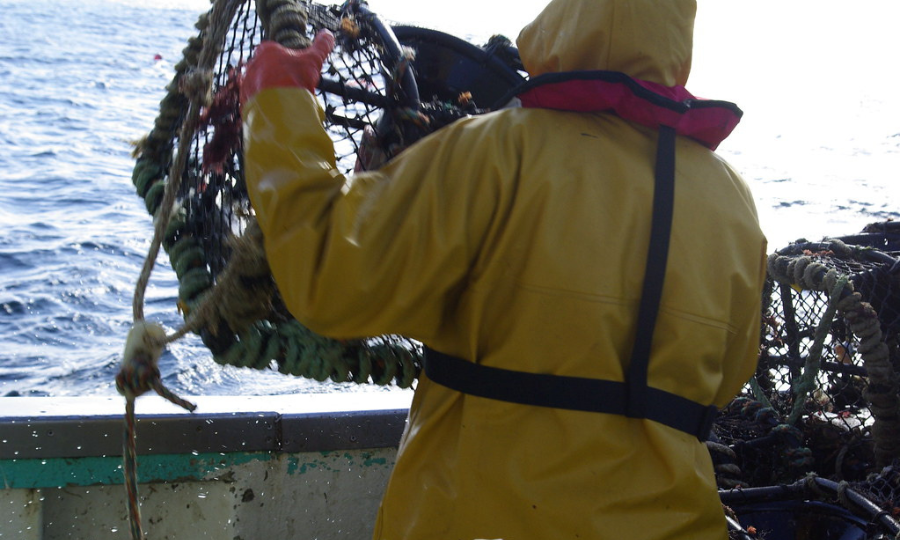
(374, 253)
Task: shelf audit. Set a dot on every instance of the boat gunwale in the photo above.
(46, 428)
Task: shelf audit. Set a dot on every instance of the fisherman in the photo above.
(581, 321)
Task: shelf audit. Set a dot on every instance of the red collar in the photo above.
(646, 103)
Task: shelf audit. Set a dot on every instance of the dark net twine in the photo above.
(824, 399)
(225, 289)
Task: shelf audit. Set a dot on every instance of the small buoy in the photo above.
(157, 57)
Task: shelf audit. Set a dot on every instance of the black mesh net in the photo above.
(373, 111)
(831, 431)
(360, 86)
(808, 408)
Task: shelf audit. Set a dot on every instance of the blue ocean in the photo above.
(79, 81)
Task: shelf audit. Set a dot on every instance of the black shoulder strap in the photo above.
(633, 398)
(654, 274)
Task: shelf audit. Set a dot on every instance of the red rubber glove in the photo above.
(275, 66)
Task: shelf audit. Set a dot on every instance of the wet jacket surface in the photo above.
(518, 240)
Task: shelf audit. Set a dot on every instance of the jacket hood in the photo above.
(649, 40)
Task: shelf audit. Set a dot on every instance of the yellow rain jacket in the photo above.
(518, 240)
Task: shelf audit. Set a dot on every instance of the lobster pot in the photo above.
(190, 169)
(830, 316)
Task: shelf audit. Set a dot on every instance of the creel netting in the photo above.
(824, 398)
(212, 241)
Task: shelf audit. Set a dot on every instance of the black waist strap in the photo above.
(632, 398)
(561, 392)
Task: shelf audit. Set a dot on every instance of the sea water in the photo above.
(80, 80)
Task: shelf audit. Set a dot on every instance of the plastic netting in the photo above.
(828, 354)
(778, 429)
(373, 111)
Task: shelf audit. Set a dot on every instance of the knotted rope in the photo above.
(139, 372)
(138, 375)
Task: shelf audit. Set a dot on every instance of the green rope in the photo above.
(298, 351)
(807, 381)
(759, 394)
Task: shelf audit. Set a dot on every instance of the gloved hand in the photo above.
(275, 66)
